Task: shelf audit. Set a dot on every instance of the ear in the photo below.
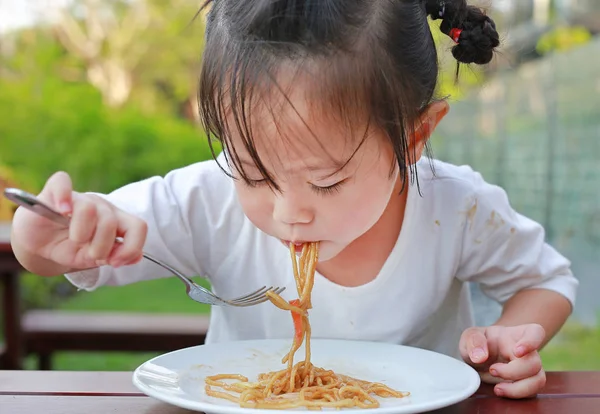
(427, 123)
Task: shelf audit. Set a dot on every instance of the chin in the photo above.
(329, 250)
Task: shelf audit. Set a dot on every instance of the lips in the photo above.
(298, 245)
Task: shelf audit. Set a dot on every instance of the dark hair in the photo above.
(380, 61)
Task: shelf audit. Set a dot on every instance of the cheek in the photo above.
(256, 204)
(362, 204)
(374, 195)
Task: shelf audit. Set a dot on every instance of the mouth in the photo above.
(298, 244)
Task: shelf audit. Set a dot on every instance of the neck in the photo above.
(361, 261)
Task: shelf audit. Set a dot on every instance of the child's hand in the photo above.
(89, 241)
(508, 357)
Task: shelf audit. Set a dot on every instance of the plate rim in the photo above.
(474, 382)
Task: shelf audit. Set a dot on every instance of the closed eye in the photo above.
(327, 190)
(330, 189)
(255, 183)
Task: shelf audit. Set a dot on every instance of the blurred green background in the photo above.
(107, 92)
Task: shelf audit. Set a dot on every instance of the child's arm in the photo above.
(540, 306)
(507, 255)
(190, 218)
(192, 221)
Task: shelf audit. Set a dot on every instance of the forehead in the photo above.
(289, 128)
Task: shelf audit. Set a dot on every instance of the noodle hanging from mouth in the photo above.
(301, 384)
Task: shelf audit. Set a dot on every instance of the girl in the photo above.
(324, 109)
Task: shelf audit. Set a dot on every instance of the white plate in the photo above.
(434, 380)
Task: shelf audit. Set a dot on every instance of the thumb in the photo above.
(474, 346)
(531, 340)
(58, 192)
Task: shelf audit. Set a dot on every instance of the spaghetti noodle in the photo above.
(301, 384)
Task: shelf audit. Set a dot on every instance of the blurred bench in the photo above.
(45, 332)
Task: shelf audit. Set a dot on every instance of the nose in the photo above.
(288, 208)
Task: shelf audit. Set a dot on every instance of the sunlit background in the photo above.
(106, 90)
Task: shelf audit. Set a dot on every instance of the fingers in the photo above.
(524, 388)
(58, 192)
(95, 224)
(473, 346)
(532, 339)
(134, 231)
(518, 369)
(105, 234)
(83, 220)
(515, 365)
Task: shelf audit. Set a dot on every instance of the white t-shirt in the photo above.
(459, 229)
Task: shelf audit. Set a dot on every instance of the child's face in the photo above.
(318, 200)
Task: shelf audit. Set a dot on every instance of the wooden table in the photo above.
(54, 392)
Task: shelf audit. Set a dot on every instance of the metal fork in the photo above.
(194, 291)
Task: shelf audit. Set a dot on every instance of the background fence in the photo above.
(535, 131)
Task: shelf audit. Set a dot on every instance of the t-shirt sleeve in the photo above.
(192, 218)
(506, 252)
